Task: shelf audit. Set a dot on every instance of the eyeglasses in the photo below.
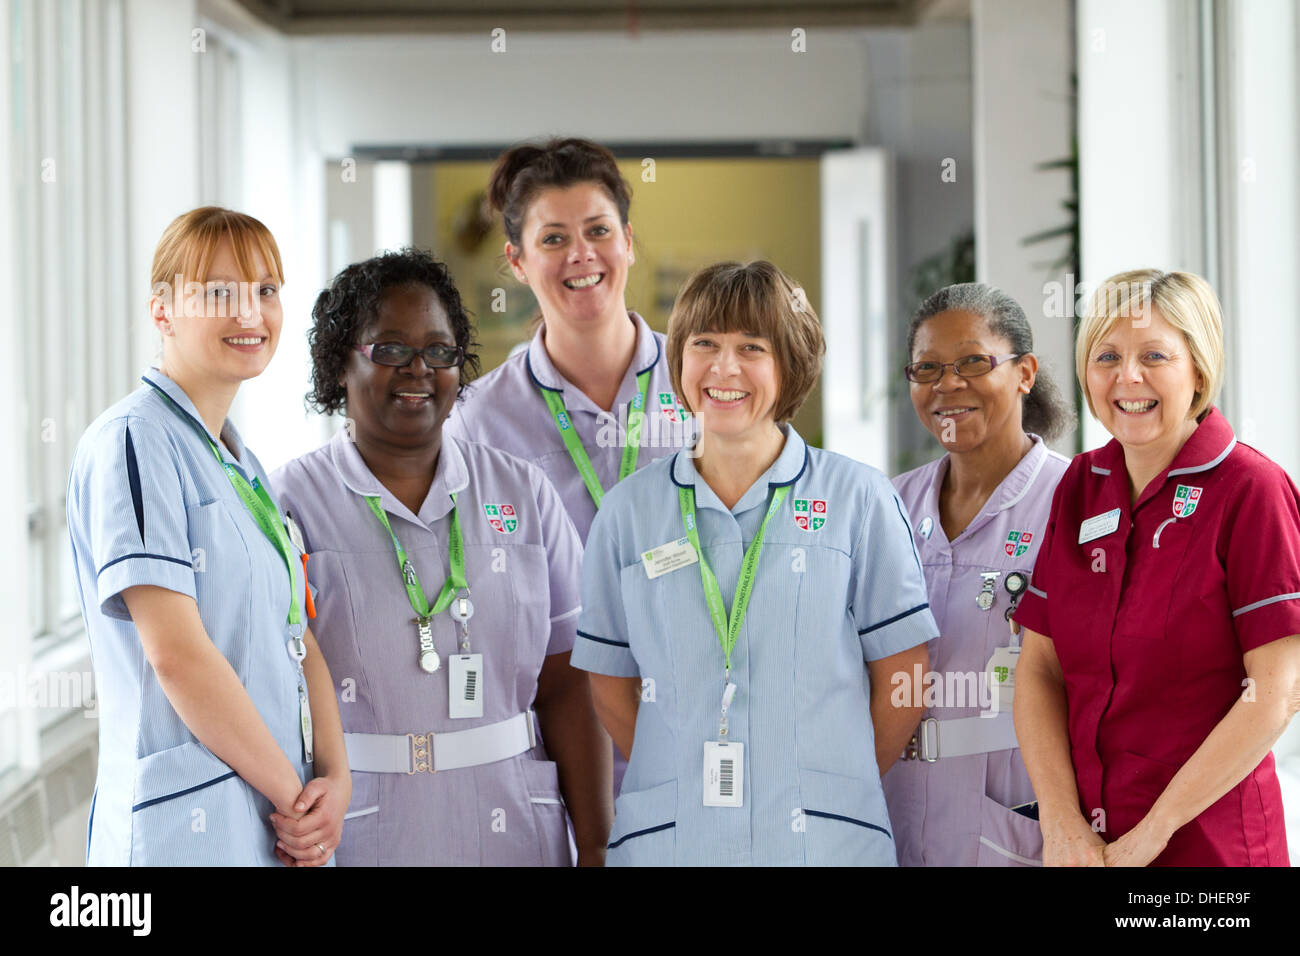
(400, 356)
(968, 366)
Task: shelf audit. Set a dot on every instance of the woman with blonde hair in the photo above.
(1161, 628)
(215, 702)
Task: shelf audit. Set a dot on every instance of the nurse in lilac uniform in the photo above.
(594, 380)
(960, 796)
(447, 577)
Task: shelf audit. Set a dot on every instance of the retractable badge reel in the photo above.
(1001, 668)
(465, 697)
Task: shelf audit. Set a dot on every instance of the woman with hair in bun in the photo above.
(590, 400)
(959, 795)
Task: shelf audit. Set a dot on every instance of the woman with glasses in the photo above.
(215, 702)
(447, 574)
(959, 795)
(1162, 628)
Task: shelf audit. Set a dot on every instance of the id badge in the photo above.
(1001, 672)
(466, 686)
(669, 557)
(724, 774)
(304, 719)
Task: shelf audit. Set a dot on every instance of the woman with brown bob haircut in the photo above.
(729, 606)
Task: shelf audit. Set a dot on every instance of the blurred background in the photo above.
(874, 149)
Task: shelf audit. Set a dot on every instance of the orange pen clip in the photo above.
(311, 605)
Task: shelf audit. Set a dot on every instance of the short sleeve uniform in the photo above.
(838, 584)
(1150, 607)
(522, 560)
(148, 504)
(505, 409)
(956, 810)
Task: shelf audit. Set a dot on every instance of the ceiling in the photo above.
(466, 16)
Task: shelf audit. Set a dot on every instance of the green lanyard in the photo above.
(264, 512)
(728, 630)
(455, 581)
(569, 434)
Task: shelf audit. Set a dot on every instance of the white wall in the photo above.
(1022, 119)
(455, 90)
(919, 107)
(1139, 143)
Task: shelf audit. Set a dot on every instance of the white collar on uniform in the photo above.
(545, 375)
(450, 475)
(229, 435)
(786, 470)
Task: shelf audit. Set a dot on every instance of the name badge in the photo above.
(1001, 671)
(1099, 526)
(669, 557)
(465, 691)
(304, 719)
(724, 774)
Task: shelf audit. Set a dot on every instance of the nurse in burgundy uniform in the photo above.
(1161, 628)
(959, 795)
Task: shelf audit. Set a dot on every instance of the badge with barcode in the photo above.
(669, 557)
(724, 774)
(466, 685)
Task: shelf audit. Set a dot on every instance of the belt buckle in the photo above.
(421, 753)
(910, 752)
(924, 734)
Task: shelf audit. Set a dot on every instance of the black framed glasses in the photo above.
(968, 366)
(400, 356)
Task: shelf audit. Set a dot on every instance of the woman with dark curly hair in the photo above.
(451, 660)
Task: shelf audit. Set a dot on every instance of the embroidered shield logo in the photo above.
(502, 517)
(1018, 543)
(672, 409)
(1186, 498)
(810, 513)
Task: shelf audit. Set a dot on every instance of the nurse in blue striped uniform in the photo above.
(745, 606)
(215, 702)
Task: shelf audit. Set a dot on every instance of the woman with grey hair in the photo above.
(959, 795)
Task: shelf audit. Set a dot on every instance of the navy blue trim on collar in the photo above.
(798, 475)
(672, 472)
(175, 404)
(528, 364)
(658, 355)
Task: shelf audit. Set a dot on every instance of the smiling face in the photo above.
(963, 413)
(1142, 381)
(229, 334)
(574, 254)
(402, 407)
(731, 382)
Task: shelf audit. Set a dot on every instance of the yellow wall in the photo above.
(696, 212)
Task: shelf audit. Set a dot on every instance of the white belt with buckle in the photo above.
(961, 737)
(430, 752)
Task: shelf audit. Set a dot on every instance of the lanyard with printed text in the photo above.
(569, 434)
(263, 510)
(728, 626)
(429, 659)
